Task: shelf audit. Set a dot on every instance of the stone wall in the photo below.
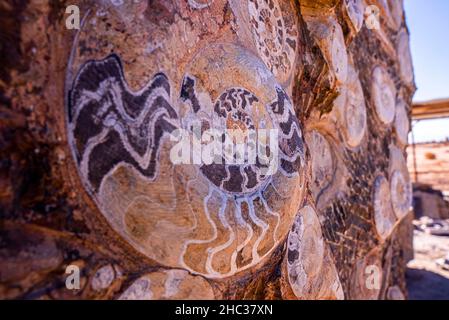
(87, 124)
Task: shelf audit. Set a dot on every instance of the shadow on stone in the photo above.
(426, 285)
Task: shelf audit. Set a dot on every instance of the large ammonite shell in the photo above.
(212, 219)
(310, 270)
(274, 28)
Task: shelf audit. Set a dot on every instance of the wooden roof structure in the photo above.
(431, 109)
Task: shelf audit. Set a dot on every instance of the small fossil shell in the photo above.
(272, 28)
(311, 271)
(383, 212)
(401, 194)
(352, 109)
(329, 35)
(103, 278)
(323, 166)
(384, 95)
(400, 184)
(199, 4)
(172, 284)
(355, 11)
(396, 13)
(395, 293)
(402, 122)
(405, 57)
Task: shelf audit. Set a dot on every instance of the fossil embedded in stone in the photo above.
(401, 194)
(395, 293)
(322, 161)
(384, 217)
(384, 95)
(274, 29)
(405, 57)
(352, 109)
(402, 122)
(355, 11)
(171, 284)
(226, 216)
(311, 271)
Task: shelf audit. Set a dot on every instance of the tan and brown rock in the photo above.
(93, 123)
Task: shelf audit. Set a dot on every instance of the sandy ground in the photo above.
(425, 279)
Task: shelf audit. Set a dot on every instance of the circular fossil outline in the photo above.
(401, 194)
(311, 273)
(355, 12)
(401, 122)
(275, 35)
(384, 95)
(405, 57)
(174, 284)
(279, 203)
(323, 164)
(395, 293)
(355, 116)
(383, 211)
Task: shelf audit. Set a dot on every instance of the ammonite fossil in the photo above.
(402, 122)
(384, 217)
(396, 11)
(405, 61)
(309, 266)
(104, 277)
(212, 218)
(352, 109)
(329, 35)
(355, 12)
(323, 165)
(395, 293)
(384, 95)
(274, 30)
(171, 284)
(400, 184)
(199, 4)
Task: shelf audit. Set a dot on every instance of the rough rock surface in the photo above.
(86, 177)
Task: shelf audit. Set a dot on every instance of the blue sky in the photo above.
(428, 22)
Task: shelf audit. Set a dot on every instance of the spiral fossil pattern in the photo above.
(227, 217)
(275, 34)
(119, 181)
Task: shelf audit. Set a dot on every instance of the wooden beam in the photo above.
(431, 109)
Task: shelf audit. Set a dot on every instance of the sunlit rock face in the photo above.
(135, 123)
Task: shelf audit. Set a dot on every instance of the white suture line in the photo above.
(275, 214)
(214, 236)
(262, 225)
(243, 223)
(217, 249)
